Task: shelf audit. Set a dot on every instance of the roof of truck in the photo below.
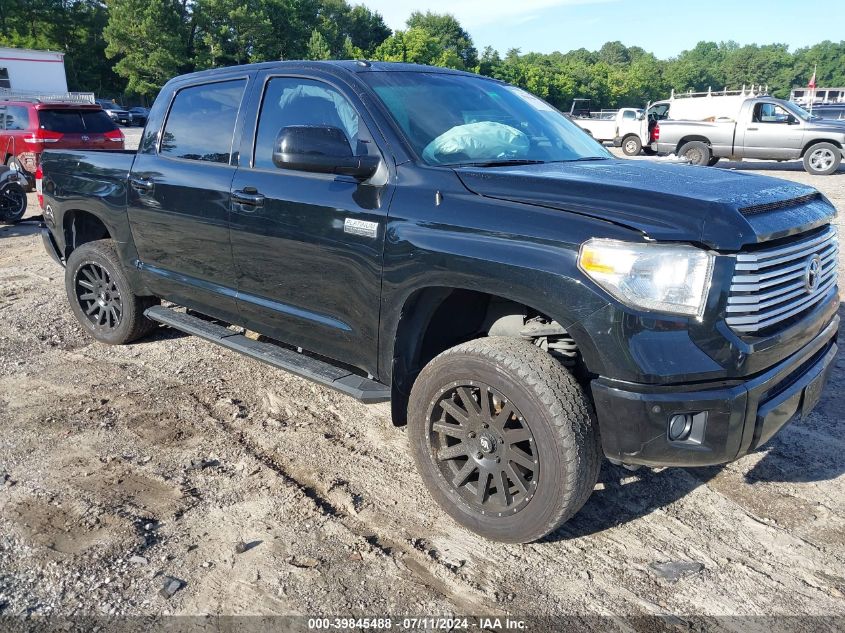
(351, 66)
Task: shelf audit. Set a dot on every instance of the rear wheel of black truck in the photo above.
(504, 438)
(100, 295)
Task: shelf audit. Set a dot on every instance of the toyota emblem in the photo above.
(813, 273)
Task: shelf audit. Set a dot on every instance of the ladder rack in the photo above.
(47, 97)
(753, 91)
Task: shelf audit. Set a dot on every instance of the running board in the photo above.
(359, 387)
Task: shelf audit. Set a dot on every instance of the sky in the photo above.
(664, 28)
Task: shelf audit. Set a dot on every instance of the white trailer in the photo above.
(24, 70)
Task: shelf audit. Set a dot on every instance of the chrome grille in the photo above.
(771, 285)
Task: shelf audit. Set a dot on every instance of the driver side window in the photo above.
(293, 101)
(770, 113)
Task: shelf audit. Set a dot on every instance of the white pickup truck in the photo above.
(626, 128)
(757, 126)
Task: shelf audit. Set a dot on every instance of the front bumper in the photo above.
(740, 415)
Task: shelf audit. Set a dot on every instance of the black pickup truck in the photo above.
(453, 244)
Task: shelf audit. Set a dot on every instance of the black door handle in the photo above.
(248, 196)
(141, 183)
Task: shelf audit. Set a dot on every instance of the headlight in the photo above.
(656, 277)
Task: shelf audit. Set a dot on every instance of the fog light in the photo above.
(680, 426)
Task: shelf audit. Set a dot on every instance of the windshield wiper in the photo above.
(504, 162)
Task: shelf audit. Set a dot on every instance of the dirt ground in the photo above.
(263, 494)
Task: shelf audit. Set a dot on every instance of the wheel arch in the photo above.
(690, 138)
(816, 141)
(437, 317)
(80, 227)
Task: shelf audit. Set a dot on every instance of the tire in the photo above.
(631, 145)
(697, 152)
(12, 203)
(545, 405)
(14, 163)
(713, 160)
(822, 159)
(116, 313)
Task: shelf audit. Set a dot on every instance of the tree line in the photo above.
(130, 48)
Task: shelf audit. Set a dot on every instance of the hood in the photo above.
(722, 209)
(837, 125)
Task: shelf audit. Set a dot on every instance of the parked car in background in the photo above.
(116, 112)
(454, 244)
(27, 127)
(754, 127)
(626, 128)
(836, 112)
(139, 115)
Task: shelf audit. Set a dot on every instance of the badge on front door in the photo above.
(360, 227)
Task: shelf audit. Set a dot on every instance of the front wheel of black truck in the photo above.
(100, 295)
(504, 438)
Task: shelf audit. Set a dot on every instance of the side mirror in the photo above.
(323, 150)
(791, 120)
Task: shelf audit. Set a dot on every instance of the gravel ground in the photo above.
(124, 468)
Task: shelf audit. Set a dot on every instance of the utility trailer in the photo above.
(26, 70)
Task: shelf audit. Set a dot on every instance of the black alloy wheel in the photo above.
(483, 448)
(504, 438)
(98, 296)
(101, 296)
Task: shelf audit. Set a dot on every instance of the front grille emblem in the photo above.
(813, 273)
(85, 138)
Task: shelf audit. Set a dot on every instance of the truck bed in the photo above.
(720, 134)
(86, 174)
(101, 161)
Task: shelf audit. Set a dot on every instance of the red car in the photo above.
(27, 127)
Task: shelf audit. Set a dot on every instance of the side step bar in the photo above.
(318, 371)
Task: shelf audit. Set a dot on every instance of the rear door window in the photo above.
(75, 121)
(201, 123)
(17, 117)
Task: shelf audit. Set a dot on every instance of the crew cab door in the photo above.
(308, 246)
(179, 199)
(770, 131)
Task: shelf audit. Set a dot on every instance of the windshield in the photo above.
(798, 111)
(460, 120)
